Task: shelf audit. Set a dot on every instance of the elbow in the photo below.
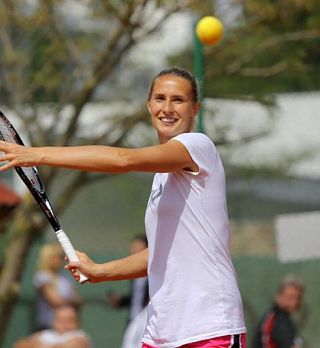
(114, 160)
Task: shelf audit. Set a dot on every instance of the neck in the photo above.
(164, 139)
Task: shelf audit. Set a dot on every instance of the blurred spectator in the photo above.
(65, 332)
(139, 295)
(54, 288)
(9, 200)
(276, 328)
(134, 332)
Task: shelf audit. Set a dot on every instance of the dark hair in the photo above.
(180, 72)
(291, 280)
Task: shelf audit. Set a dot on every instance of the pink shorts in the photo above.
(231, 341)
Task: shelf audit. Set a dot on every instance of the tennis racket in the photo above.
(32, 180)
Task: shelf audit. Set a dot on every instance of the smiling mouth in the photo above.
(168, 120)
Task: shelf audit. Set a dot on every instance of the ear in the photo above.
(148, 106)
(196, 109)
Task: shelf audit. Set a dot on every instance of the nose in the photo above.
(168, 107)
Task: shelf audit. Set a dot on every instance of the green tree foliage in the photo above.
(271, 47)
(55, 56)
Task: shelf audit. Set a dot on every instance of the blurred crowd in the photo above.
(58, 305)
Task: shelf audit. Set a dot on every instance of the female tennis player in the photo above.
(194, 296)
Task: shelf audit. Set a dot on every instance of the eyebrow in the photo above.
(173, 96)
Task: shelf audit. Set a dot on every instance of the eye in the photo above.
(159, 97)
(178, 100)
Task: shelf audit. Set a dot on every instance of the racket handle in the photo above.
(69, 251)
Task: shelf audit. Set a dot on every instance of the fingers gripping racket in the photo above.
(32, 180)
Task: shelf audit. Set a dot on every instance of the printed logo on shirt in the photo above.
(155, 193)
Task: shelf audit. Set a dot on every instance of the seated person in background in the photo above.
(138, 297)
(276, 328)
(65, 332)
(134, 332)
(53, 286)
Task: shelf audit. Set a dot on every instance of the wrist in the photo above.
(38, 156)
(101, 272)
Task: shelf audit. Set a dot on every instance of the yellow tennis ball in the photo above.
(209, 30)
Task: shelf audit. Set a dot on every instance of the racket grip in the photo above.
(69, 251)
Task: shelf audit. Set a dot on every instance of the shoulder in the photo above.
(77, 333)
(202, 151)
(284, 317)
(197, 139)
(197, 144)
(283, 325)
(42, 278)
(79, 337)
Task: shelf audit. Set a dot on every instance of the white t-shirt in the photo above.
(193, 286)
(51, 337)
(65, 288)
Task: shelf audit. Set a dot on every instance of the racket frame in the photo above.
(42, 199)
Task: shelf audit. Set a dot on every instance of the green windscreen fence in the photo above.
(105, 216)
(258, 280)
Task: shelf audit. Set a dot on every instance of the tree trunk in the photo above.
(25, 233)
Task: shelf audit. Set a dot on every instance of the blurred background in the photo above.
(78, 72)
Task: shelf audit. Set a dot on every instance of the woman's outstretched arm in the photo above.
(167, 157)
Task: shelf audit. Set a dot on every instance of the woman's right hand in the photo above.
(16, 155)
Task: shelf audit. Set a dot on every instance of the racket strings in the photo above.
(5, 132)
(8, 134)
